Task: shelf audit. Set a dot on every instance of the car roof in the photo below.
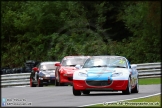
(107, 56)
(49, 62)
(76, 56)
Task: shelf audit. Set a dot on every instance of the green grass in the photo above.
(148, 81)
(154, 100)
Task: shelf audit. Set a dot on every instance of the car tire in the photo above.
(57, 82)
(86, 92)
(76, 92)
(128, 89)
(31, 83)
(40, 83)
(136, 89)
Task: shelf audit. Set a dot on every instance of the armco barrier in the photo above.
(15, 79)
(145, 70)
(149, 70)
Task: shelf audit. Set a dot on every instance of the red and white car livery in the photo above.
(106, 73)
(66, 68)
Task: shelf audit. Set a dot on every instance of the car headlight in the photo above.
(82, 74)
(47, 75)
(117, 74)
(41, 74)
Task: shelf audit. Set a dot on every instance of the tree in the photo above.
(141, 19)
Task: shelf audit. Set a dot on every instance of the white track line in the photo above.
(122, 100)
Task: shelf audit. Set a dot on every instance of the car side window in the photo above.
(40, 67)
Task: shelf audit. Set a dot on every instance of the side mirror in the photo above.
(35, 69)
(133, 66)
(57, 64)
(78, 66)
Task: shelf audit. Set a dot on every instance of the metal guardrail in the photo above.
(149, 70)
(145, 70)
(15, 79)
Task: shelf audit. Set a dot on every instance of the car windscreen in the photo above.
(115, 62)
(73, 61)
(47, 67)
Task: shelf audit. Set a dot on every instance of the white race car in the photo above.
(106, 73)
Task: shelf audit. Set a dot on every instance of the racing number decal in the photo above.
(121, 61)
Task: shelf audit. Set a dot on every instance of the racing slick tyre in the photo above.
(31, 83)
(57, 82)
(40, 83)
(86, 92)
(76, 92)
(128, 89)
(136, 89)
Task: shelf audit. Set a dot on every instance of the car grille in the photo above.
(99, 83)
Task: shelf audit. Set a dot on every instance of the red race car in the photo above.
(65, 69)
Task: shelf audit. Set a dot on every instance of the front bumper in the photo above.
(47, 79)
(116, 85)
(68, 78)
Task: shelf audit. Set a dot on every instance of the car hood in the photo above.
(101, 73)
(48, 72)
(68, 69)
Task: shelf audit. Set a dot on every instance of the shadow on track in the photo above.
(105, 94)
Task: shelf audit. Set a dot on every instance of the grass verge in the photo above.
(153, 101)
(148, 81)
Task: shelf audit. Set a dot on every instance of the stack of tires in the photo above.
(6, 70)
(28, 65)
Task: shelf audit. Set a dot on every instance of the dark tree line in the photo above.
(50, 30)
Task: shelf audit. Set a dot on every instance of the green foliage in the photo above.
(145, 44)
(50, 30)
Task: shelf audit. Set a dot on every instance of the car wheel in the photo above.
(86, 92)
(128, 89)
(136, 89)
(31, 83)
(57, 82)
(40, 83)
(76, 92)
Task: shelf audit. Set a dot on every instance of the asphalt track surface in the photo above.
(51, 96)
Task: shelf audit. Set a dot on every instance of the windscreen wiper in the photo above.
(100, 66)
(118, 66)
(71, 65)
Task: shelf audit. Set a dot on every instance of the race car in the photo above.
(105, 73)
(65, 69)
(43, 74)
